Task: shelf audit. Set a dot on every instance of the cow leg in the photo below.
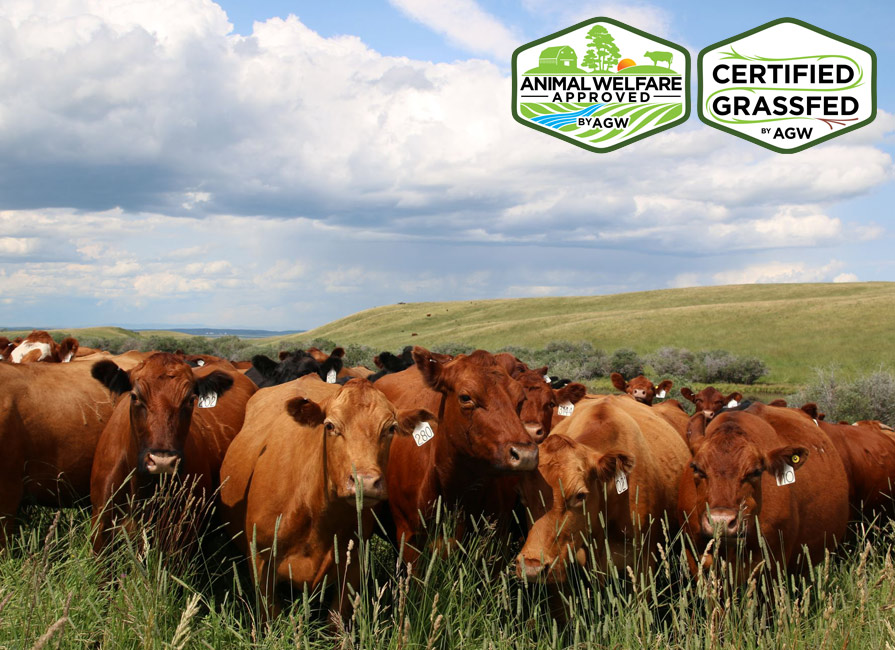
(12, 469)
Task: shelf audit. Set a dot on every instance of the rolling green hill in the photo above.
(792, 327)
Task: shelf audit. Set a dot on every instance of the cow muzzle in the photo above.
(722, 521)
(536, 431)
(530, 569)
(708, 415)
(522, 457)
(371, 486)
(162, 461)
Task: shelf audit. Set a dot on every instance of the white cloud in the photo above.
(465, 24)
(846, 277)
(17, 246)
(773, 272)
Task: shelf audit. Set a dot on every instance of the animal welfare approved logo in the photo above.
(601, 84)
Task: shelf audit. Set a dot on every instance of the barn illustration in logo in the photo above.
(601, 84)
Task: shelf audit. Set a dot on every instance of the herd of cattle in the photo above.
(297, 450)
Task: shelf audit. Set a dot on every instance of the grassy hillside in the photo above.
(793, 327)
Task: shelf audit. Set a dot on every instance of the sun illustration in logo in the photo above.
(625, 63)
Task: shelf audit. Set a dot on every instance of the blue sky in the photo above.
(282, 164)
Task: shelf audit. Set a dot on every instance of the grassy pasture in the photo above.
(794, 328)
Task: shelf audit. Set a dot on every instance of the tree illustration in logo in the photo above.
(603, 54)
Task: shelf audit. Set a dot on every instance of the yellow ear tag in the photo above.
(795, 460)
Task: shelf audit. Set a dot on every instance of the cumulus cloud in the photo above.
(146, 152)
(779, 272)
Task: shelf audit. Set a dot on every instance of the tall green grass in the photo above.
(54, 593)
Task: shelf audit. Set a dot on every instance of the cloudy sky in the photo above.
(279, 164)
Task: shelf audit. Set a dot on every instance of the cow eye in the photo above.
(578, 499)
(330, 428)
(697, 471)
(392, 430)
(465, 400)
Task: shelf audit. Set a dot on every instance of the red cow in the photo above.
(575, 516)
(731, 489)
(478, 437)
(544, 407)
(157, 429)
(292, 476)
(40, 346)
(51, 416)
(710, 400)
(641, 388)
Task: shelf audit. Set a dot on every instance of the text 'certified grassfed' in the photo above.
(787, 85)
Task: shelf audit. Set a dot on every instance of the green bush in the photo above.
(867, 397)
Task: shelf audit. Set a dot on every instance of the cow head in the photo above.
(6, 348)
(392, 363)
(728, 466)
(541, 401)
(482, 404)
(710, 400)
(641, 388)
(564, 496)
(40, 346)
(163, 392)
(357, 424)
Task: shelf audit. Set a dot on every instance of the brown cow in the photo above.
(40, 346)
(544, 407)
(51, 416)
(867, 450)
(170, 420)
(641, 388)
(731, 489)
(710, 400)
(6, 348)
(291, 477)
(672, 412)
(603, 441)
(477, 438)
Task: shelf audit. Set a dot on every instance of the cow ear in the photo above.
(111, 376)
(283, 354)
(605, 467)
(696, 432)
(305, 412)
(811, 409)
(265, 365)
(792, 456)
(619, 382)
(377, 359)
(688, 394)
(337, 352)
(665, 385)
(67, 349)
(572, 393)
(431, 367)
(408, 419)
(218, 382)
(734, 395)
(520, 369)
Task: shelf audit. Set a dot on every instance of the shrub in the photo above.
(868, 397)
(627, 362)
(671, 362)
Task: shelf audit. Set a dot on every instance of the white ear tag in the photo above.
(661, 394)
(331, 377)
(566, 409)
(547, 378)
(732, 404)
(621, 482)
(200, 362)
(423, 433)
(787, 476)
(208, 401)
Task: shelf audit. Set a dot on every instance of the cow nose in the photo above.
(528, 568)
(522, 457)
(536, 431)
(639, 393)
(708, 414)
(722, 520)
(372, 485)
(160, 461)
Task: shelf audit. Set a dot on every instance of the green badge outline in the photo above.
(577, 142)
(762, 143)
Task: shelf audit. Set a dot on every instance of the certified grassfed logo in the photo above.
(601, 84)
(787, 85)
